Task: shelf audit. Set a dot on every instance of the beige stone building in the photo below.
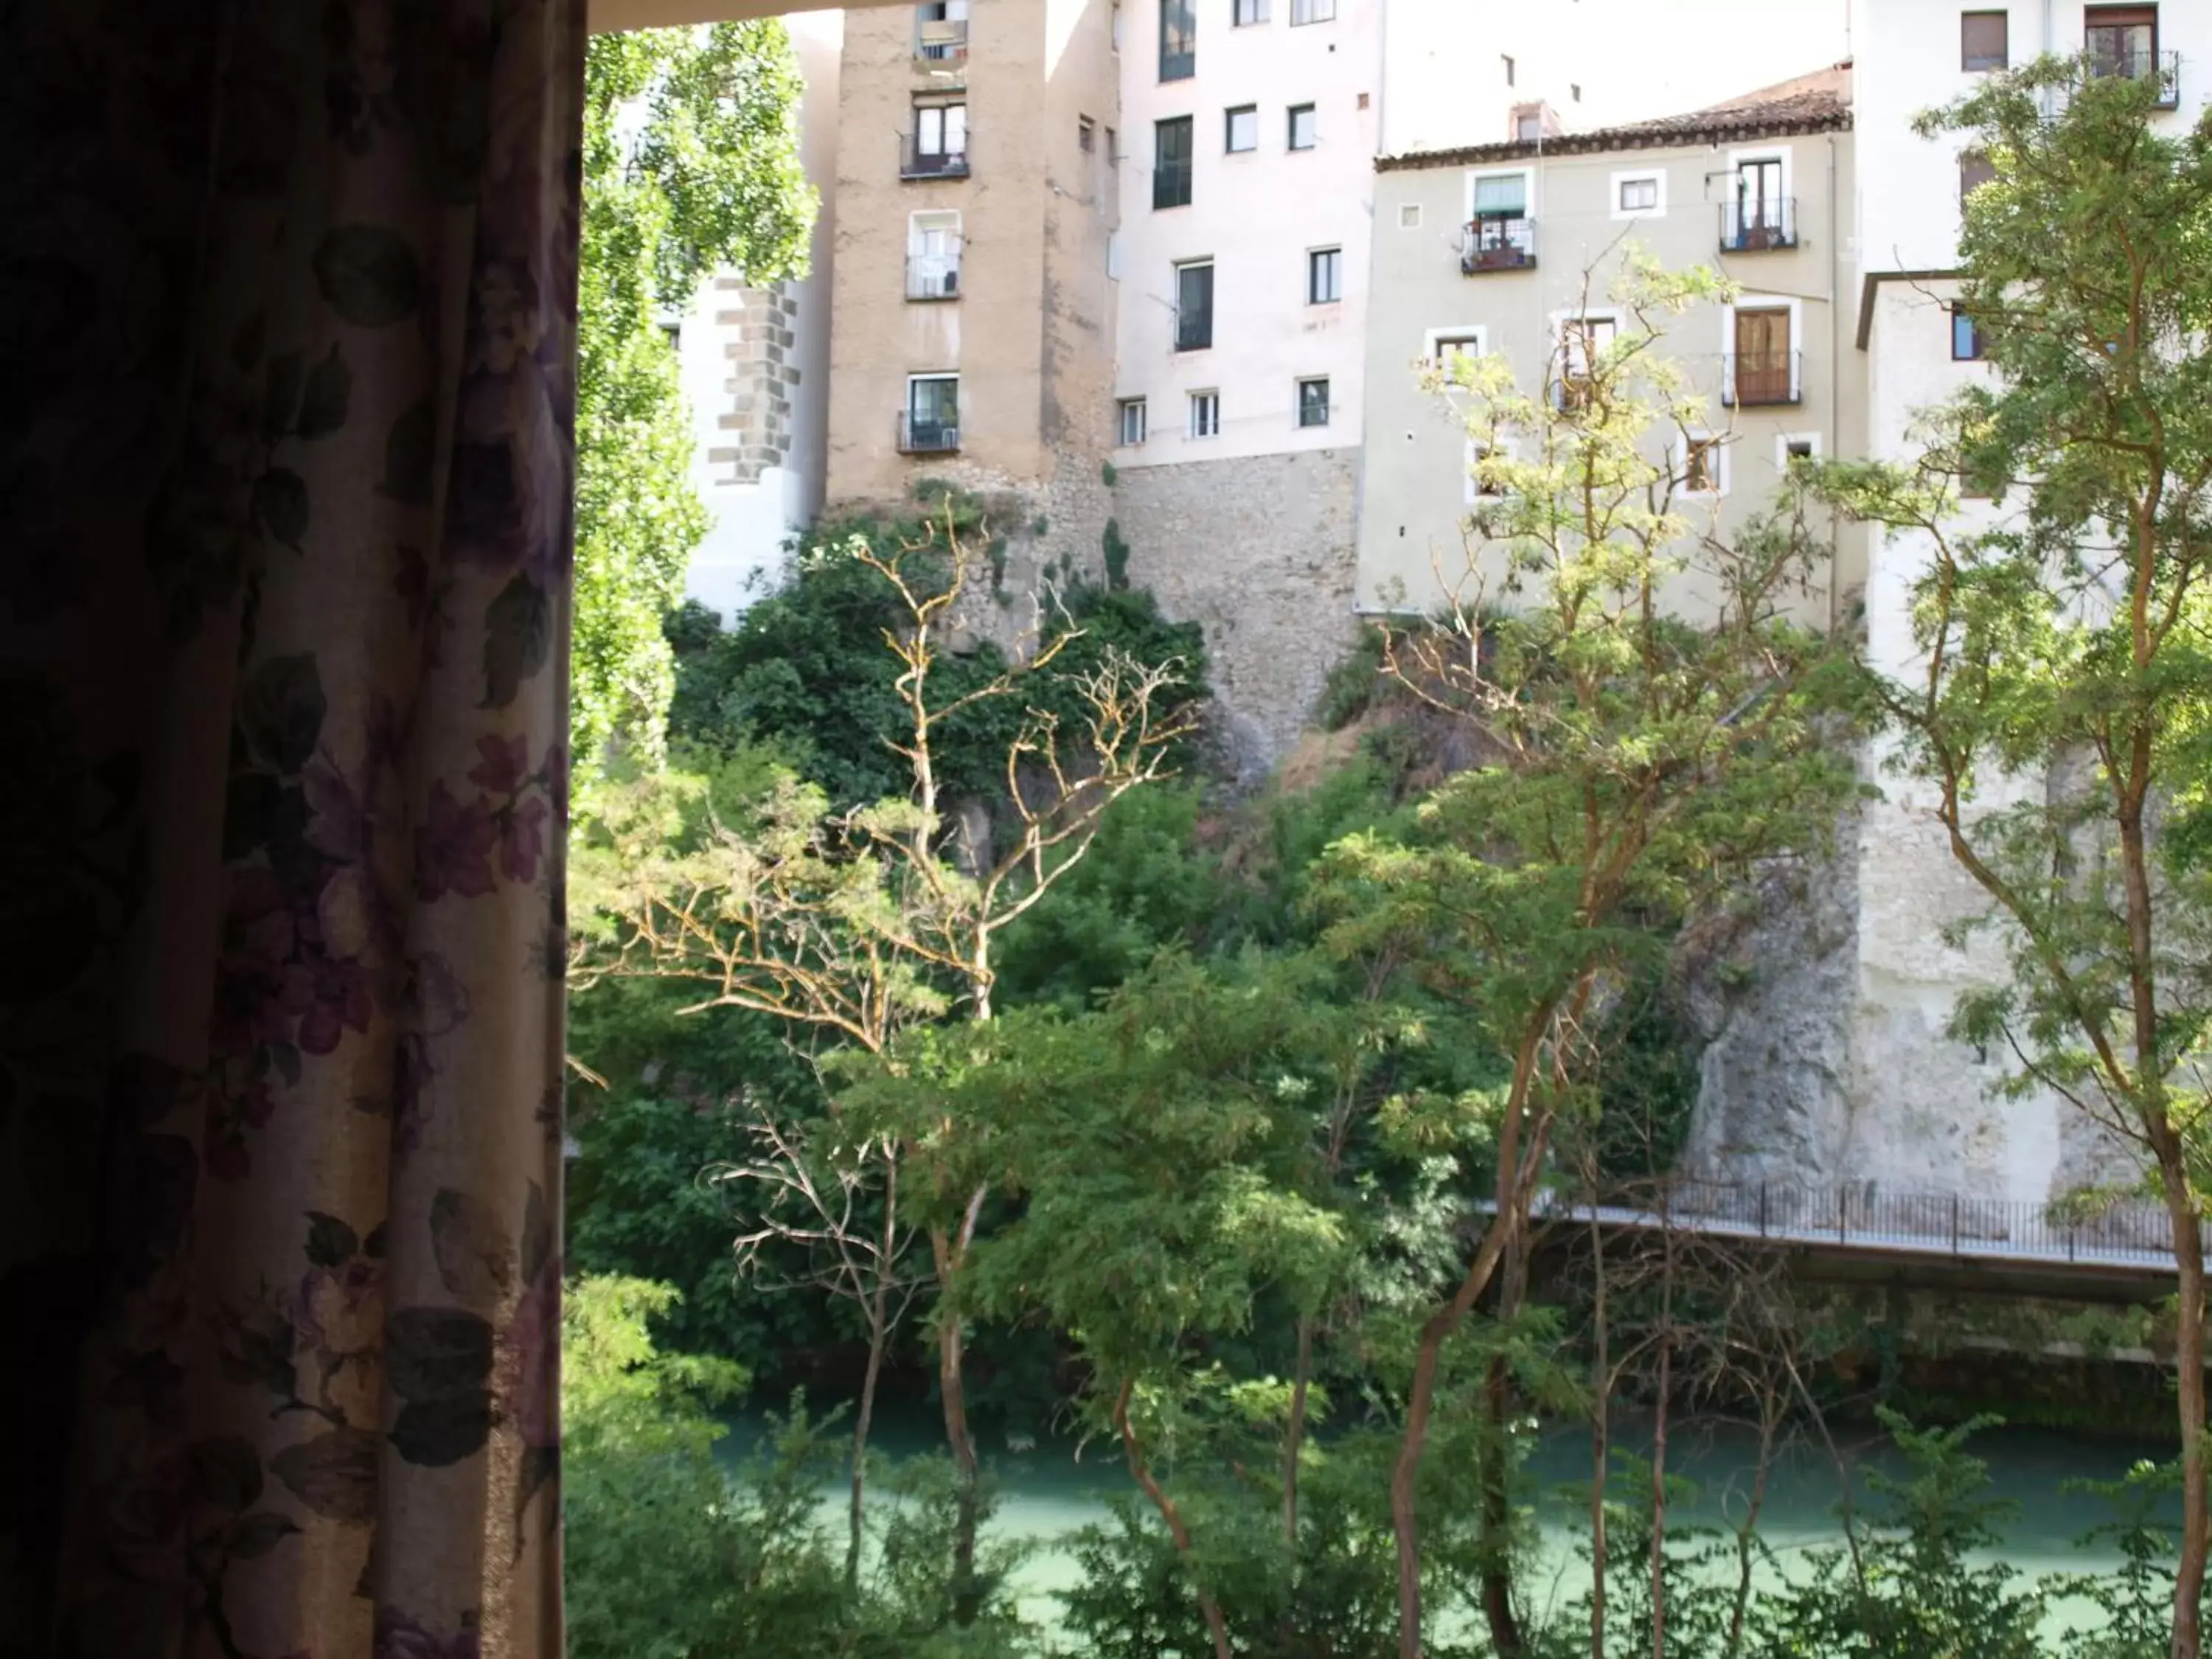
(1512, 249)
(974, 334)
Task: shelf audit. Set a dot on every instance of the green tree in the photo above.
(2062, 642)
(1634, 763)
(690, 166)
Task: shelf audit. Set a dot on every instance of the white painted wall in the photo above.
(753, 521)
(1444, 83)
(1255, 214)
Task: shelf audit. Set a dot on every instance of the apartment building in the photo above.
(1926, 1113)
(974, 336)
(1512, 249)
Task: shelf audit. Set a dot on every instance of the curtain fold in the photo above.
(287, 297)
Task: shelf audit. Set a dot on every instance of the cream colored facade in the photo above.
(994, 271)
(1671, 189)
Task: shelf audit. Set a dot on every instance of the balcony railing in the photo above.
(1171, 186)
(1498, 242)
(932, 276)
(926, 435)
(2162, 68)
(1754, 227)
(916, 162)
(943, 41)
(1755, 380)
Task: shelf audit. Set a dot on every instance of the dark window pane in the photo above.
(1982, 43)
(1171, 143)
(1178, 39)
(1194, 307)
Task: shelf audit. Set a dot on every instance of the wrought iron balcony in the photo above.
(1498, 242)
(1757, 226)
(1756, 380)
(2162, 68)
(943, 40)
(922, 434)
(916, 162)
(933, 276)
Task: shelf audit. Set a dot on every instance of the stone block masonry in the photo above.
(1262, 551)
(754, 416)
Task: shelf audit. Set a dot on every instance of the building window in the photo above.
(1205, 415)
(1249, 12)
(931, 423)
(1528, 129)
(1483, 483)
(2121, 41)
(1086, 134)
(933, 256)
(1244, 128)
(1113, 25)
(1409, 215)
(1794, 447)
(1759, 215)
(1582, 340)
(1195, 306)
(1574, 92)
(1171, 142)
(1508, 62)
(1975, 170)
(1313, 11)
(1444, 345)
(1178, 39)
(1113, 148)
(1114, 255)
(1313, 403)
(1304, 128)
(941, 30)
(1983, 42)
(1966, 337)
(1763, 368)
(941, 140)
(1130, 414)
(1324, 276)
(1701, 473)
(1638, 193)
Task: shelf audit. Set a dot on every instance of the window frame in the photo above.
(914, 381)
(1757, 303)
(1970, 62)
(1956, 312)
(1249, 13)
(1555, 369)
(920, 224)
(1655, 177)
(1228, 144)
(1305, 384)
(1291, 124)
(1526, 175)
(1785, 442)
(1178, 23)
(2122, 17)
(1316, 11)
(1086, 135)
(1434, 341)
(940, 106)
(1123, 409)
(1972, 160)
(1331, 260)
(1409, 215)
(1182, 265)
(1471, 491)
(1210, 399)
(1188, 127)
(1716, 444)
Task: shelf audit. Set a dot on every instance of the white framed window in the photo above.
(1440, 345)
(1481, 489)
(1305, 129)
(1761, 350)
(1324, 276)
(1501, 193)
(1249, 12)
(1701, 464)
(1241, 129)
(1129, 420)
(1409, 215)
(1313, 11)
(1205, 415)
(940, 129)
(1313, 401)
(932, 255)
(932, 421)
(1795, 447)
(1578, 340)
(1639, 195)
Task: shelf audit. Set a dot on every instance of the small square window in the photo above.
(1086, 134)
(1305, 130)
(1409, 215)
(1966, 337)
(1982, 43)
(1313, 11)
(1528, 129)
(1313, 403)
(1244, 128)
(1131, 421)
(1324, 277)
(1507, 60)
(1701, 466)
(1206, 413)
(1482, 485)
(1249, 12)
(1445, 347)
(1639, 195)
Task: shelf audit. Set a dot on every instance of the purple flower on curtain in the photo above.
(505, 766)
(453, 850)
(522, 840)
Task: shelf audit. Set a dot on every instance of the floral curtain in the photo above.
(287, 307)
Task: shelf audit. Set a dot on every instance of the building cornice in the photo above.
(1874, 279)
(1621, 139)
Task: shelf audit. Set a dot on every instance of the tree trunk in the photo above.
(1601, 1433)
(1216, 1626)
(1295, 1433)
(967, 1599)
(1769, 1421)
(1494, 1474)
(878, 1336)
(2188, 1363)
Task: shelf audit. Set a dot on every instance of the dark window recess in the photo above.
(1983, 42)
(1324, 277)
(1178, 39)
(1313, 403)
(2121, 41)
(1966, 337)
(932, 421)
(1086, 134)
(1509, 67)
(1974, 172)
(1305, 129)
(1171, 151)
(1194, 307)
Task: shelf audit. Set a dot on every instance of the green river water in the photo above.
(1048, 1493)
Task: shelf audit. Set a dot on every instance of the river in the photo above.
(1049, 1492)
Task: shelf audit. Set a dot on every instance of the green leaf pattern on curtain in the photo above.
(288, 493)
